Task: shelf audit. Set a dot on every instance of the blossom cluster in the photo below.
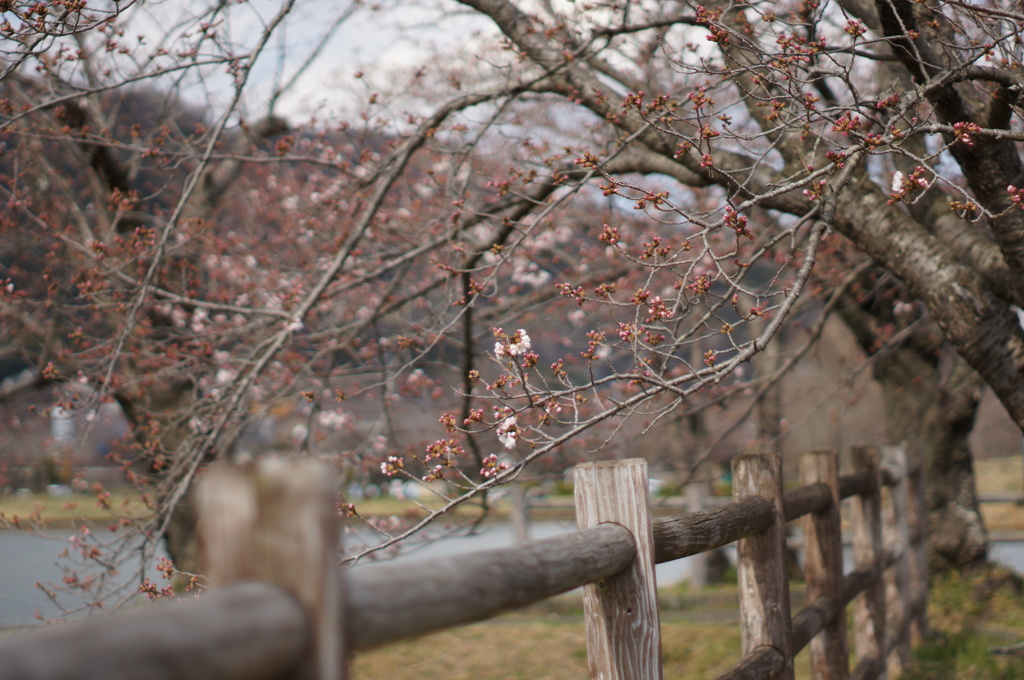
(1016, 195)
(516, 344)
(442, 451)
(508, 432)
(815, 191)
(962, 131)
(392, 466)
(492, 467)
(904, 185)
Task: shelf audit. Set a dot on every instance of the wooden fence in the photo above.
(279, 609)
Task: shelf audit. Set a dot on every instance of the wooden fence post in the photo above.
(823, 566)
(896, 535)
(869, 606)
(520, 513)
(274, 521)
(917, 525)
(695, 496)
(762, 574)
(621, 612)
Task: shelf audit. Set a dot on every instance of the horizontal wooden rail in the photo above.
(392, 602)
(684, 535)
(690, 534)
(867, 668)
(387, 603)
(855, 483)
(813, 617)
(806, 499)
(246, 632)
(1014, 497)
(813, 497)
(764, 663)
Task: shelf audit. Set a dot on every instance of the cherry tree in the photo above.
(201, 267)
(575, 223)
(892, 123)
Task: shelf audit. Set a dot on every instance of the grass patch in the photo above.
(28, 511)
(1003, 516)
(999, 475)
(521, 649)
(968, 617)
(546, 648)
(699, 630)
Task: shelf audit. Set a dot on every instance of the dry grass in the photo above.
(1003, 516)
(69, 510)
(551, 647)
(538, 650)
(966, 617)
(547, 641)
(1000, 475)
(969, 618)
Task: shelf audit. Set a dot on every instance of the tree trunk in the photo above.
(958, 536)
(151, 412)
(181, 537)
(769, 405)
(934, 407)
(931, 398)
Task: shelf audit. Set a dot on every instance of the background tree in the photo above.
(816, 103)
(582, 216)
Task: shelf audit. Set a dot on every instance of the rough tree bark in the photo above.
(931, 398)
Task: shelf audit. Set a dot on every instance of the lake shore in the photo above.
(1001, 478)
